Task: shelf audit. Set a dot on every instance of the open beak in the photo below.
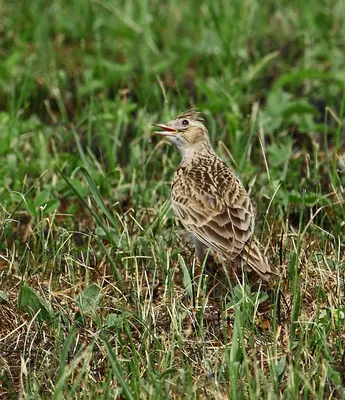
(165, 130)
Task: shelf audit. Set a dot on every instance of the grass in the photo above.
(100, 295)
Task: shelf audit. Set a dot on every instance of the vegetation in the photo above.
(100, 296)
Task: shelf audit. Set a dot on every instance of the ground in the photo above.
(100, 294)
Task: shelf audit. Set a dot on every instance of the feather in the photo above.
(210, 200)
(192, 114)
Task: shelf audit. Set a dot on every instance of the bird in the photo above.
(209, 198)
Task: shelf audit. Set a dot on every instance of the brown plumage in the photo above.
(208, 197)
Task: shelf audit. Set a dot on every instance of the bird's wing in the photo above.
(255, 260)
(215, 208)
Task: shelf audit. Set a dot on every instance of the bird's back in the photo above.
(212, 204)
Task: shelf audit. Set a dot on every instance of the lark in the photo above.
(209, 199)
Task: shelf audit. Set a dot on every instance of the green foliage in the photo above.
(3, 297)
(30, 301)
(88, 300)
(85, 212)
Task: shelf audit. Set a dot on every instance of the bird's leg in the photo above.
(199, 249)
(210, 272)
(232, 269)
(197, 274)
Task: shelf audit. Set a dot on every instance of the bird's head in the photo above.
(186, 131)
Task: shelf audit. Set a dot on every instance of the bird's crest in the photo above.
(191, 114)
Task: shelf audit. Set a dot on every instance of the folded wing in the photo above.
(219, 213)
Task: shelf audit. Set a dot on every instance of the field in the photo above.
(100, 294)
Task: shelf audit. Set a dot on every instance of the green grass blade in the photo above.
(117, 371)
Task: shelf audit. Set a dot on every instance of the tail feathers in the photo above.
(256, 261)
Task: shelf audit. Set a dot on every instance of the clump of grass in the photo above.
(100, 295)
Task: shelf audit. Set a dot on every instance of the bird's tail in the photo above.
(256, 261)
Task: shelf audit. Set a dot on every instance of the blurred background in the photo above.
(101, 71)
(85, 187)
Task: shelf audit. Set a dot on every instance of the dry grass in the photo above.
(100, 296)
(157, 324)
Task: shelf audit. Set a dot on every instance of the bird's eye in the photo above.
(185, 122)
